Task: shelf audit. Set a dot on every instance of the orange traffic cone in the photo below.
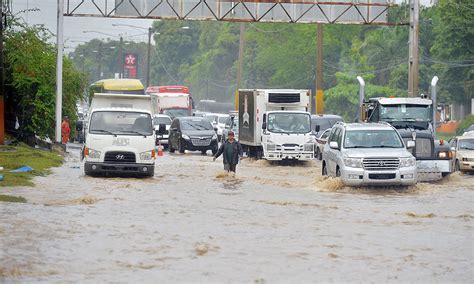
(160, 150)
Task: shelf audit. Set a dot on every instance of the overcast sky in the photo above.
(74, 27)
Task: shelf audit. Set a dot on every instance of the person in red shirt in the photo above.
(65, 130)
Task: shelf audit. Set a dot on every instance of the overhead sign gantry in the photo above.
(289, 11)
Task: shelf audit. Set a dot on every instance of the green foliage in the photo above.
(31, 62)
(465, 123)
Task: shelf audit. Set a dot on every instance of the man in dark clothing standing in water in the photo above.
(232, 151)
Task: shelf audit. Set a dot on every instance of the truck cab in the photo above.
(120, 136)
(413, 118)
(275, 124)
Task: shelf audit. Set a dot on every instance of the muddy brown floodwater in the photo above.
(269, 223)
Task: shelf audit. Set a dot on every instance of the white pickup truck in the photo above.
(120, 138)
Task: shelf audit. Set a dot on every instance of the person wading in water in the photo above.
(232, 152)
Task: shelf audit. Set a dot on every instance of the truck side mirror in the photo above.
(410, 144)
(333, 145)
(317, 128)
(264, 121)
(161, 129)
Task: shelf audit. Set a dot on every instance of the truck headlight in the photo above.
(353, 162)
(184, 136)
(93, 154)
(271, 147)
(214, 137)
(444, 154)
(148, 155)
(407, 162)
(308, 147)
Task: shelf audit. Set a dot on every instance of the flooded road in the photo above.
(269, 223)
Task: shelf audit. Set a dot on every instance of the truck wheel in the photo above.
(318, 154)
(457, 167)
(181, 147)
(259, 153)
(324, 172)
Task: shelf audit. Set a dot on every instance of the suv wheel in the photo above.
(325, 170)
(214, 150)
(181, 146)
(338, 172)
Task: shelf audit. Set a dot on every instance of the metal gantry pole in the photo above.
(241, 59)
(319, 71)
(59, 70)
(120, 63)
(413, 48)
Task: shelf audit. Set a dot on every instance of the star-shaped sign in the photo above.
(130, 59)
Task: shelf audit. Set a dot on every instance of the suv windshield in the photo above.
(120, 122)
(372, 139)
(161, 120)
(405, 112)
(466, 144)
(288, 122)
(196, 124)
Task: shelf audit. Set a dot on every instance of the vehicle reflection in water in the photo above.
(269, 222)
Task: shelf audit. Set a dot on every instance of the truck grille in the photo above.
(200, 142)
(423, 148)
(381, 164)
(119, 157)
(283, 98)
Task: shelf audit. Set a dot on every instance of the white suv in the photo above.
(368, 154)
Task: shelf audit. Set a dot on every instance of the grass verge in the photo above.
(9, 198)
(13, 157)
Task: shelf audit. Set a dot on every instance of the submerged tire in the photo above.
(324, 171)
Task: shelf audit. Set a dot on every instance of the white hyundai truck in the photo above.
(120, 138)
(275, 124)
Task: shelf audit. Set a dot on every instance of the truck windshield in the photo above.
(372, 139)
(176, 112)
(405, 112)
(289, 122)
(120, 122)
(195, 124)
(162, 120)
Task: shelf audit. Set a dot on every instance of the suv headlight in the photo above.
(184, 136)
(93, 154)
(407, 162)
(148, 155)
(308, 147)
(271, 147)
(214, 136)
(353, 162)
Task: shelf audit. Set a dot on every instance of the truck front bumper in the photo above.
(431, 170)
(358, 176)
(284, 155)
(110, 168)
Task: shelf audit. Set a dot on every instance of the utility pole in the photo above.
(100, 60)
(121, 58)
(241, 59)
(59, 70)
(2, 82)
(319, 71)
(148, 59)
(413, 49)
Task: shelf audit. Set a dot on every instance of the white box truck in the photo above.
(275, 124)
(120, 138)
